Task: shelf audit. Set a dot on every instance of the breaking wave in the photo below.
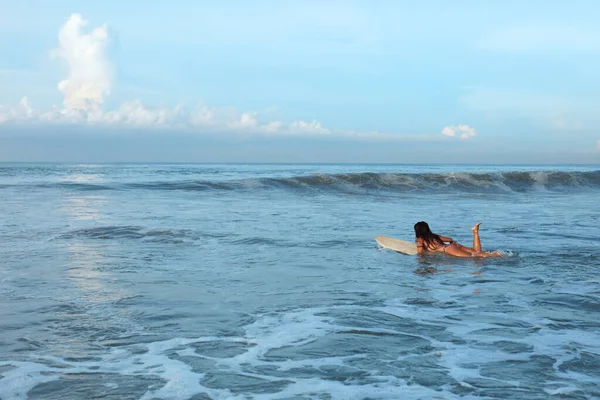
(500, 182)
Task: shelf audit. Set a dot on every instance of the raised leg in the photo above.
(477, 244)
(476, 240)
(458, 250)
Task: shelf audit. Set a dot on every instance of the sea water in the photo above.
(196, 281)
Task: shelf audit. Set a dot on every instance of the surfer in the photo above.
(428, 241)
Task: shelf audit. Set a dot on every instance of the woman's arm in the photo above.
(420, 248)
(446, 239)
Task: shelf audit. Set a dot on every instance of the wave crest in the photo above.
(455, 182)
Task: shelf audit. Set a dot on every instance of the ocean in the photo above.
(233, 281)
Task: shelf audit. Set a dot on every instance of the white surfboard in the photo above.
(401, 246)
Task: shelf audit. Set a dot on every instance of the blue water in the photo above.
(204, 281)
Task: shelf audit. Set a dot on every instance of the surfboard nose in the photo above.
(401, 246)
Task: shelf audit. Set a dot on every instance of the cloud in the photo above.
(89, 82)
(90, 72)
(134, 114)
(598, 145)
(309, 127)
(20, 113)
(462, 131)
(201, 120)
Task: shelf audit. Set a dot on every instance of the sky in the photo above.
(300, 81)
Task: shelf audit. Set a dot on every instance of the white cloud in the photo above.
(273, 127)
(21, 112)
(135, 114)
(462, 131)
(90, 72)
(448, 131)
(202, 119)
(89, 83)
(308, 127)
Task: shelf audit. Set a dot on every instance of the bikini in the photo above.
(438, 249)
(442, 247)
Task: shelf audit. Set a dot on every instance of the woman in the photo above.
(428, 241)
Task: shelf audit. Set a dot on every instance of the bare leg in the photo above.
(494, 254)
(458, 250)
(476, 240)
(477, 244)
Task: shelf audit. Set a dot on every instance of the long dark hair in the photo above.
(431, 239)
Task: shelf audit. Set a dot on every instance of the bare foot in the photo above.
(476, 227)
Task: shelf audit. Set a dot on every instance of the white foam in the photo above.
(566, 390)
(296, 328)
(385, 388)
(289, 329)
(181, 381)
(17, 382)
(463, 360)
(540, 179)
